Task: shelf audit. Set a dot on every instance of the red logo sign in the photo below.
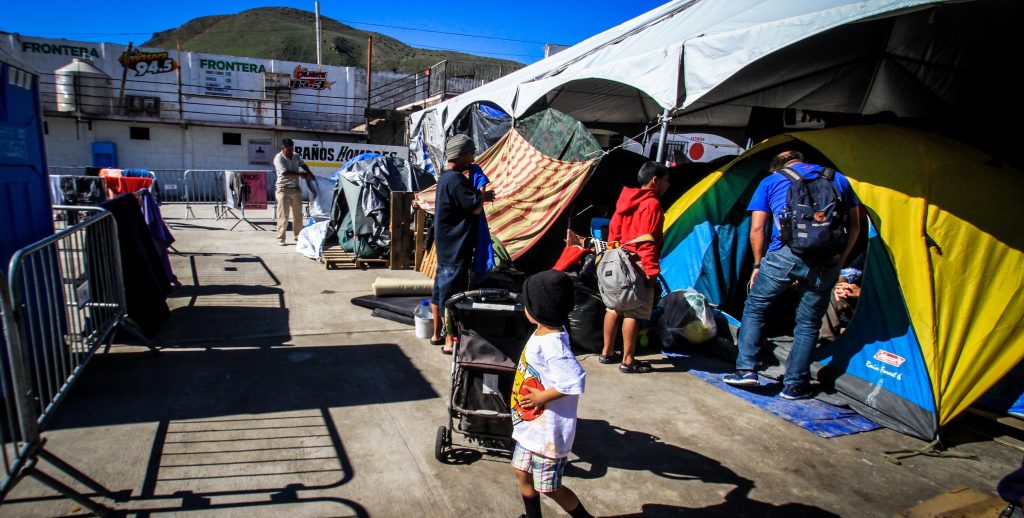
(889, 358)
(304, 78)
(147, 62)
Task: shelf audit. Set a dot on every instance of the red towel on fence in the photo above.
(119, 185)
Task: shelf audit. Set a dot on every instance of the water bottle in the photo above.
(423, 310)
(424, 322)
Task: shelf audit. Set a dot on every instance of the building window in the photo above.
(46, 128)
(135, 133)
(232, 139)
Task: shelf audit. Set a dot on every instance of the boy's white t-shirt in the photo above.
(547, 362)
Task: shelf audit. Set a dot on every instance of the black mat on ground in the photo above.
(399, 305)
(392, 316)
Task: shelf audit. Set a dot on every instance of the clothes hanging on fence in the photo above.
(118, 183)
(146, 284)
(144, 173)
(56, 194)
(162, 237)
(83, 190)
(117, 186)
(247, 188)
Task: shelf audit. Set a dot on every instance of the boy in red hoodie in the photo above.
(638, 214)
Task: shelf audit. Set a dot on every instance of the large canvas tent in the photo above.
(712, 62)
(940, 319)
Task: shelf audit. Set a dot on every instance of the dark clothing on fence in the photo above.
(455, 223)
(146, 284)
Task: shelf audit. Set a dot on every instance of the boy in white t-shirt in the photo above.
(547, 388)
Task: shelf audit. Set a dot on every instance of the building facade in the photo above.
(163, 109)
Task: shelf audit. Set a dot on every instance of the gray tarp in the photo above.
(364, 190)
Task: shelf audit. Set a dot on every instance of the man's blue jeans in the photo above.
(779, 269)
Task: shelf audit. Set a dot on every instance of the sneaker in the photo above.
(796, 391)
(741, 378)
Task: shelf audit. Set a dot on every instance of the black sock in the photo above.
(580, 512)
(532, 504)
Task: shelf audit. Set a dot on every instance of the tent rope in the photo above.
(932, 449)
(642, 134)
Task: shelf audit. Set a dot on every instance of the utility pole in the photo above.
(319, 58)
(369, 68)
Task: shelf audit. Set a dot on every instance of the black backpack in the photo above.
(813, 222)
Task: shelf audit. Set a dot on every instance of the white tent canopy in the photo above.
(709, 61)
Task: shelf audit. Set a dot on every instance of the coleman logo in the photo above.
(889, 358)
(819, 216)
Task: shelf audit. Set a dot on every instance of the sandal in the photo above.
(439, 341)
(637, 367)
(615, 358)
(447, 351)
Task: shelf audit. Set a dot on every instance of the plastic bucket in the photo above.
(424, 327)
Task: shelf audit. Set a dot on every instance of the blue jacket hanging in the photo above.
(483, 259)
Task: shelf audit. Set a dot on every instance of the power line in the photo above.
(443, 32)
(291, 30)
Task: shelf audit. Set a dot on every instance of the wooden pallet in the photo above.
(336, 257)
(428, 265)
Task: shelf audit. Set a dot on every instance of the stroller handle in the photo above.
(483, 294)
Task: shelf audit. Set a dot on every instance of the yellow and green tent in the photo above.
(940, 318)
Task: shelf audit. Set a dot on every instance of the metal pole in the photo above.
(663, 138)
(181, 111)
(124, 79)
(319, 61)
(369, 68)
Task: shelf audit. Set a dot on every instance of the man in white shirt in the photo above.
(288, 195)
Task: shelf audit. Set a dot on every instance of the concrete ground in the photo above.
(274, 396)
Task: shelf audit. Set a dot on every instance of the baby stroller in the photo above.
(491, 330)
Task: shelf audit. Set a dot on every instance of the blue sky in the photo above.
(532, 23)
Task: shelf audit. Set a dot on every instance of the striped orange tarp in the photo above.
(531, 190)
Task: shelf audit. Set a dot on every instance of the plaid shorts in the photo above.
(547, 472)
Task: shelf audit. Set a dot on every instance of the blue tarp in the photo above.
(821, 418)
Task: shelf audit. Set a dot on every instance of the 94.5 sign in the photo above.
(143, 63)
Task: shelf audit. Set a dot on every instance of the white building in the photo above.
(173, 110)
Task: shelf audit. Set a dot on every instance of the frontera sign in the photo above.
(231, 66)
(59, 49)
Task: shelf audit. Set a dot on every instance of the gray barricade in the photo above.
(204, 187)
(63, 300)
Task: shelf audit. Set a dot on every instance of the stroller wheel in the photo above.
(441, 443)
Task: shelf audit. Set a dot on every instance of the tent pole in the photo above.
(663, 138)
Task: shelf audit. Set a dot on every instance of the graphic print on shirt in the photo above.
(526, 376)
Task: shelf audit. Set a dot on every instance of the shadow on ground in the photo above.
(601, 446)
(241, 428)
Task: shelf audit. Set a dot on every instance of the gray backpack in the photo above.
(621, 280)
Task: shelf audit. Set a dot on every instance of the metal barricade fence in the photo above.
(204, 187)
(209, 187)
(64, 299)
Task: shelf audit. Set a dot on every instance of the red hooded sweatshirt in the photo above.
(638, 212)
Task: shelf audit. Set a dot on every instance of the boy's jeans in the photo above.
(779, 269)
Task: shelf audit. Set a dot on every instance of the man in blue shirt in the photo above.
(457, 207)
(780, 269)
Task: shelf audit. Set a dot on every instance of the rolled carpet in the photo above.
(385, 286)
